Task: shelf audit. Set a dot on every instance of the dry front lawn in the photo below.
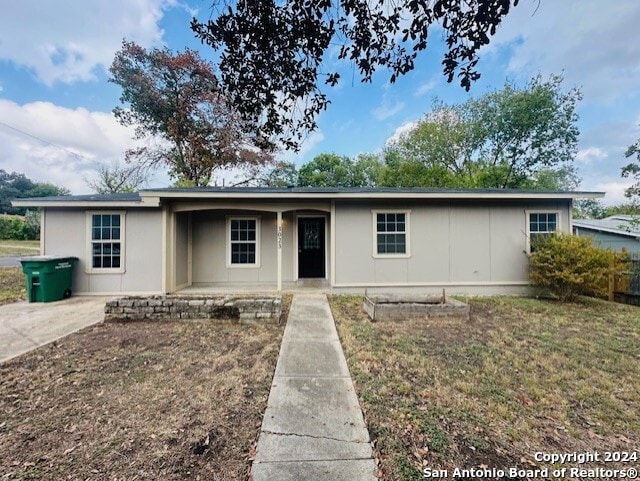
(19, 248)
(522, 376)
(169, 401)
(12, 285)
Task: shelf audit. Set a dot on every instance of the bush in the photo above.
(20, 228)
(570, 266)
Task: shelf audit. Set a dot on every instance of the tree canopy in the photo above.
(332, 170)
(632, 170)
(174, 102)
(117, 178)
(325, 170)
(272, 52)
(510, 138)
(516, 137)
(14, 186)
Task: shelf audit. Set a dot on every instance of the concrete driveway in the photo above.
(25, 326)
(9, 261)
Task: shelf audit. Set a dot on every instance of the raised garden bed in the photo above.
(387, 307)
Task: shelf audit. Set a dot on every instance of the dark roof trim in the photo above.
(153, 197)
(132, 199)
(329, 191)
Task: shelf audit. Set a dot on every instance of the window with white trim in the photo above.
(541, 224)
(107, 239)
(244, 234)
(391, 233)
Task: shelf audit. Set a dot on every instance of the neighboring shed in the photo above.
(344, 239)
(616, 232)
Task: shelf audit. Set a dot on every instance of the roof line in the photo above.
(153, 197)
(610, 230)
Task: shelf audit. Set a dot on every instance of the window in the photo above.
(391, 233)
(243, 241)
(541, 224)
(106, 242)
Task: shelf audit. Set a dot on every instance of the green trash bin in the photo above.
(48, 277)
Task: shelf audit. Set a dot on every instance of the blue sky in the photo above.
(55, 101)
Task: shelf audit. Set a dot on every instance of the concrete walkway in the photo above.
(24, 326)
(313, 426)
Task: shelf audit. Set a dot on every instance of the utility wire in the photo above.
(80, 156)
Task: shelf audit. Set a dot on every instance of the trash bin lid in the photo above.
(48, 258)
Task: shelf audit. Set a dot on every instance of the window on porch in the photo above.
(243, 241)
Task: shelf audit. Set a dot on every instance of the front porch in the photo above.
(247, 247)
(300, 286)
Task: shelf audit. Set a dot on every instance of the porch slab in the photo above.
(320, 287)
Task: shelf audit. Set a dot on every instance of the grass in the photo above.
(12, 285)
(167, 401)
(19, 248)
(522, 376)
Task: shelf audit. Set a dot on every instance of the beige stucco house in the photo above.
(168, 240)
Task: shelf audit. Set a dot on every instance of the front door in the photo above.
(311, 247)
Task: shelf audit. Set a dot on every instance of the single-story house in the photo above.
(157, 241)
(616, 232)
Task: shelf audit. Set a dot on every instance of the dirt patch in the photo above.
(167, 401)
(521, 376)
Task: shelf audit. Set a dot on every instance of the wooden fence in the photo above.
(626, 284)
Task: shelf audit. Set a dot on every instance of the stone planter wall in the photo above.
(169, 308)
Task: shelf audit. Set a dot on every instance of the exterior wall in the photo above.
(465, 246)
(451, 244)
(609, 240)
(210, 243)
(65, 233)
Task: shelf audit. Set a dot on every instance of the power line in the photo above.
(80, 156)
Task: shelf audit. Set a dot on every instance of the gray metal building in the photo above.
(616, 232)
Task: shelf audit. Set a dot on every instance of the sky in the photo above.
(56, 123)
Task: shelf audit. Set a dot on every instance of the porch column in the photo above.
(168, 249)
(279, 251)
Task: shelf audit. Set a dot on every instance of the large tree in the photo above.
(511, 138)
(332, 170)
(14, 185)
(117, 178)
(174, 102)
(272, 52)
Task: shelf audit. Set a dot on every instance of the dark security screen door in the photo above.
(310, 247)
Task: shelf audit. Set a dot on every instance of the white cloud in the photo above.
(425, 88)
(614, 191)
(386, 110)
(401, 131)
(308, 144)
(590, 154)
(66, 40)
(313, 139)
(73, 142)
(592, 42)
